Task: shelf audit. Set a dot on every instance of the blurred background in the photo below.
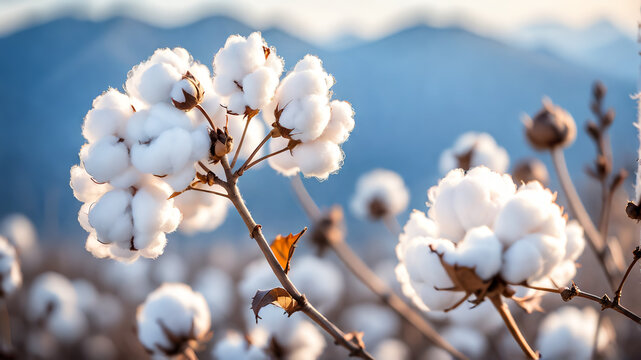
(418, 74)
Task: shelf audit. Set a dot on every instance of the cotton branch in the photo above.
(332, 236)
(506, 315)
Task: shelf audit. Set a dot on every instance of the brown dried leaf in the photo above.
(530, 303)
(276, 296)
(357, 338)
(283, 248)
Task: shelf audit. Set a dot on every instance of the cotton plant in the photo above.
(10, 272)
(570, 332)
(380, 194)
(481, 238)
(22, 235)
(173, 321)
(473, 149)
(53, 301)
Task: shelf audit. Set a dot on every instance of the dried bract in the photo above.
(551, 127)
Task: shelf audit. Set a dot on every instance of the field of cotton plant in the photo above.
(500, 257)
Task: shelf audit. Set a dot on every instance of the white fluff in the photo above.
(383, 186)
(218, 289)
(201, 211)
(485, 152)
(108, 116)
(234, 347)
(53, 300)
(479, 220)
(391, 349)
(569, 333)
(10, 272)
(183, 313)
(22, 235)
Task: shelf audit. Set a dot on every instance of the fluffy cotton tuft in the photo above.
(10, 273)
(479, 220)
(379, 193)
(218, 289)
(171, 316)
(53, 301)
(569, 333)
(308, 121)
(22, 235)
(474, 149)
(235, 347)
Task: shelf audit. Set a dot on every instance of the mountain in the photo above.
(414, 92)
(600, 46)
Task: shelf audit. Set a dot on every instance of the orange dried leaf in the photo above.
(276, 296)
(357, 338)
(283, 248)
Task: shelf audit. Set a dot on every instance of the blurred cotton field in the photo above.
(272, 180)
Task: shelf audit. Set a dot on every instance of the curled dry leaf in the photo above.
(357, 338)
(276, 296)
(283, 248)
(530, 303)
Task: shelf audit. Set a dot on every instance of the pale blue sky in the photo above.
(322, 20)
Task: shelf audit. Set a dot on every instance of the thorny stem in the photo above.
(211, 122)
(605, 302)
(242, 138)
(574, 201)
(245, 166)
(369, 278)
(505, 313)
(306, 307)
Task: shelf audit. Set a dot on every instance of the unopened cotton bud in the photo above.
(551, 127)
(530, 170)
(221, 144)
(187, 93)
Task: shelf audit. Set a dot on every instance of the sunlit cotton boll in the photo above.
(171, 318)
(130, 223)
(53, 301)
(379, 193)
(478, 221)
(218, 289)
(378, 322)
(108, 116)
(10, 272)
(247, 71)
(235, 347)
(474, 149)
(22, 235)
(201, 212)
(569, 333)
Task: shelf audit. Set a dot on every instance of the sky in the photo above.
(322, 21)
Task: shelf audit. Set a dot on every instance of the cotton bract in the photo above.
(172, 319)
(478, 220)
(379, 193)
(474, 149)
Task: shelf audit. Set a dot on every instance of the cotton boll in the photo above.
(105, 159)
(108, 116)
(575, 240)
(320, 280)
(391, 349)
(10, 273)
(378, 322)
(111, 217)
(341, 122)
(379, 193)
(569, 333)
(234, 347)
(468, 341)
(474, 149)
(307, 117)
(259, 87)
(480, 250)
(218, 289)
(164, 155)
(318, 158)
(520, 261)
(22, 235)
(152, 213)
(174, 309)
(284, 162)
(304, 342)
(201, 211)
(418, 225)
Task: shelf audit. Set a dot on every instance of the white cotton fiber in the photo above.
(480, 250)
(383, 186)
(483, 150)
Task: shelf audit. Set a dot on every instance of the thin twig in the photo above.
(207, 191)
(594, 238)
(211, 122)
(506, 315)
(247, 167)
(618, 292)
(244, 166)
(306, 307)
(242, 138)
(369, 278)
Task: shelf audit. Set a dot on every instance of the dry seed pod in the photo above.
(187, 93)
(530, 170)
(551, 127)
(221, 144)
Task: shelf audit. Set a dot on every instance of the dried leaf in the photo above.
(357, 338)
(530, 303)
(283, 248)
(276, 296)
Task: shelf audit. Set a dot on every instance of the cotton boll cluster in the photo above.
(307, 123)
(379, 193)
(569, 333)
(172, 320)
(54, 302)
(218, 289)
(235, 347)
(474, 149)
(479, 221)
(246, 71)
(22, 235)
(10, 273)
(377, 321)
